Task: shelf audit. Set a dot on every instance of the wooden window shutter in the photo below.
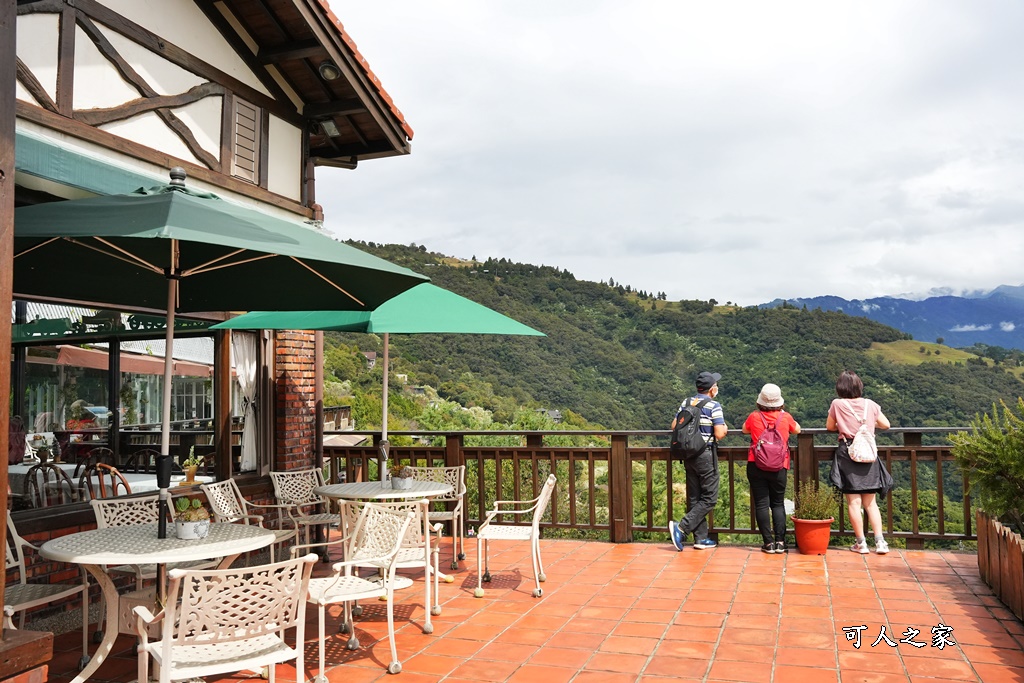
(245, 163)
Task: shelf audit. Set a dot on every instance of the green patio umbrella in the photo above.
(424, 309)
(174, 249)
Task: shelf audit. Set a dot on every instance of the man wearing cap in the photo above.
(701, 470)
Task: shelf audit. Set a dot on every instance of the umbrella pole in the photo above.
(384, 444)
(163, 468)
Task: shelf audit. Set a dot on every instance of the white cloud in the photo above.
(970, 328)
(638, 140)
(1007, 326)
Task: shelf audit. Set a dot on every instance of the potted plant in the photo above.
(190, 465)
(191, 519)
(401, 476)
(815, 510)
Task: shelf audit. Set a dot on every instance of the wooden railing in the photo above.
(623, 492)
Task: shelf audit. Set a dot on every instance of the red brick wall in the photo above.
(296, 400)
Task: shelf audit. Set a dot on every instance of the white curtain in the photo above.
(244, 353)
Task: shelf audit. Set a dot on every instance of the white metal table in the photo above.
(139, 545)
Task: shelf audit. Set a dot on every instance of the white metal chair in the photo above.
(23, 596)
(456, 477)
(418, 550)
(375, 539)
(128, 512)
(222, 620)
(111, 512)
(228, 505)
(295, 489)
(508, 532)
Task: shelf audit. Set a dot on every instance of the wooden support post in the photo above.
(620, 490)
(806, 465)
(912, 439)
(453, 454)
(534, 440)
(114, 400)
(8, 57)
(224, 459)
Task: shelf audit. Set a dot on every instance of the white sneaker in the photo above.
(881, 547)
(860, 547)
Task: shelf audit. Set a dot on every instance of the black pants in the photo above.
(701, 492)
(768, 489)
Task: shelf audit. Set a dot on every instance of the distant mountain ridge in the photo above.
(995, 318)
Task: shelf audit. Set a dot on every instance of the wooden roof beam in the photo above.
(305, 49)
(352, 105)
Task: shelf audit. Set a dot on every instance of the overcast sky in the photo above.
(741, 151)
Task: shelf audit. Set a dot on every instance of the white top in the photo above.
(374, 490)
(139, 545)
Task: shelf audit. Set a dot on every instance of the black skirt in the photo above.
(859, 477)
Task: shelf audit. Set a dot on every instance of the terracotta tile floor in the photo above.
(645, 613)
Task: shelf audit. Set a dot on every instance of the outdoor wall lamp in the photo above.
(330, 128)
(329, 71)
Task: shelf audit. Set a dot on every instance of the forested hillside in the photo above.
(623, 359)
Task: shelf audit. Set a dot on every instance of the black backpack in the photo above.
(687, 439)
(771, 449)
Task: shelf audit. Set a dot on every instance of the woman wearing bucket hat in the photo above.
(768, 465)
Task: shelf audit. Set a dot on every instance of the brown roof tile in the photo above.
(351, 44)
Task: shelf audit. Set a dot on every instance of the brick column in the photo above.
(296, 380)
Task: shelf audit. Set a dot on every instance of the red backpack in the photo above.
(771, 449)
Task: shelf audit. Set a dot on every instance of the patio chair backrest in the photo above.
(100, 480)
(543, 500)
(94, 457)
(296, 487)
(15, 553)
(143, 462)
(379, 529)
(353, 511)
(46, 484)
(111, 512)
(453, 476)
(226, 501)
(224, 605)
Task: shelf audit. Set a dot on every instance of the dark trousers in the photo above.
(768, 489)
(701, 492)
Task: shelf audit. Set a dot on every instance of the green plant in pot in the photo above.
(401, 476)
(815, 510)
(191, 518)
(191, 465)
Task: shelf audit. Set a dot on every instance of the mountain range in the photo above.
(994, 318)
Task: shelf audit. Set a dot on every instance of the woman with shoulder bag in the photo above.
(862, 477)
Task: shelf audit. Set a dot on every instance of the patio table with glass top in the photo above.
(139, 544)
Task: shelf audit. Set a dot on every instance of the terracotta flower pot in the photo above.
(812, 535)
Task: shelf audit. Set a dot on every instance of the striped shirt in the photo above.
(710, 414)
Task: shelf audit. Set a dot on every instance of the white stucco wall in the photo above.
(184, 24)
(37, 48)
(284, 175)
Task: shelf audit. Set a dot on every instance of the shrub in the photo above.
(816, 503)
(990, 454)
